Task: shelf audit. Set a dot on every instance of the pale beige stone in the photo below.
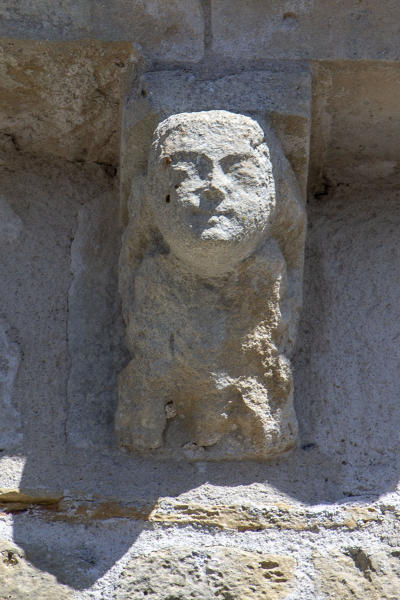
(20, 580)
(356, 123)
(359, 574)
(63, 98)
(306, 29)
(215, 572)
(211, 286)
(172, 30)
(282, 98)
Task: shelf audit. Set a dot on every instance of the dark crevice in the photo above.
(361, 561)
(324, 189)
(109, 169)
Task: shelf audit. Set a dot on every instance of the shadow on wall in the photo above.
(348, 356)
(347, 381)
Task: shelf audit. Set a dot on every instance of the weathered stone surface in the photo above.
(358, 573)
(356, 123)
(95, 327)
(59, 241)
(10, 356)
(63, 98)
(246, 516)
(348, 343)
(280, 515)
(284, 92)
(170, 30)
(20, 580)
(306, 29)
(35, 276)
(281, 97)
(10, 223)
(211, 285)
(174, 30)
(215, 572)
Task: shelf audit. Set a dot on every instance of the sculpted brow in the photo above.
(189, 156)
(232, 159)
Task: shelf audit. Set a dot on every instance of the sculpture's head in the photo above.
(211, 188)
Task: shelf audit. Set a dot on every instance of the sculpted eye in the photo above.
(189, 165)
(241, 167)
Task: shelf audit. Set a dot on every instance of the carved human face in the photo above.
(212, 190)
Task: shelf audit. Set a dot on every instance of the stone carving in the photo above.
(211, 271)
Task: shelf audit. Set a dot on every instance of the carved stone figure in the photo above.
(211, 271)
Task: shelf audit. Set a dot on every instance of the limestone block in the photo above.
(215, 572)
(63, 98)
(356, 123)
(170, 30)
(10, 357)
(306, 29)
(210, 278)
(348, 361)
(20, 580)
(358, 574)
(278, 29)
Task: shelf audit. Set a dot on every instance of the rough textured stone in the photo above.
(95, 327)
(20, 580)
(10, 356)
(358, 573)
(170, 30)
(356, 124)
(256, 518)
(306, 29)
(234, 517)
(59, 241)
(280, 97)
(35, 276)
(174, 30)
(348, 353)
(211, 285)
(63, 98)
(10, 223)
(206, 573)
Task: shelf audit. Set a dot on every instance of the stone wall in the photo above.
(83, 85)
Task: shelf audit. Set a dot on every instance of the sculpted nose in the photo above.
(215, 189)
(213, 194)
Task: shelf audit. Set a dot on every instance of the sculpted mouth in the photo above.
(215, 219)
(228, 214)
(198, 211)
